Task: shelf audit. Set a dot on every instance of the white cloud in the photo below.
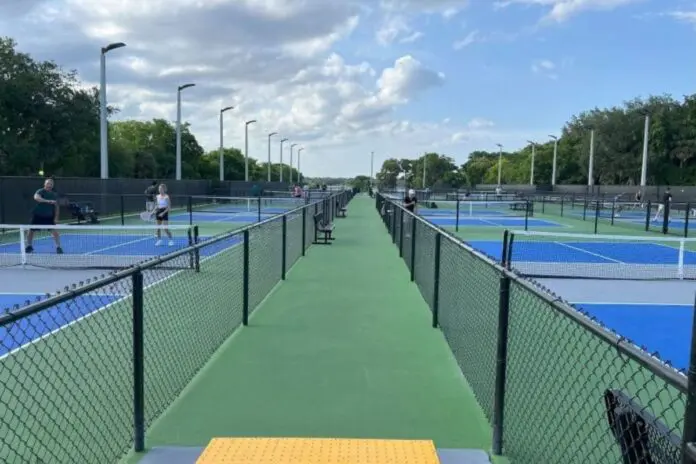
(684, 16)
(545, 68)
(471, 37)
(562, 10)
(398, 16)
(480, 123)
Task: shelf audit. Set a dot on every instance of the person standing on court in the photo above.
(150, 194)
(45, 214)
(162, 215)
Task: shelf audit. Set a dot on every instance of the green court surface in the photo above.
(343, 348)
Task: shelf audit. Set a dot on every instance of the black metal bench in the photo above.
(83, 212)
(340, 210)
(320, 227)
(522, 206)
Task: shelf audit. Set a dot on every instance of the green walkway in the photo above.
(342, 348)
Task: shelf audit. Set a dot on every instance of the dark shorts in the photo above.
(161, 216)
(42, 221)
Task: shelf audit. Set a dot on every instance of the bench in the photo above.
(83, 212)
(340, 211)
(321, 228)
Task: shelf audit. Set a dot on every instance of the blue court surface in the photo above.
(585, 252)
(32, 328)
(75, 243)
(502, 221)
(665, 329)
(201, 216)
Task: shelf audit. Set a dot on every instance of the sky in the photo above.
(343, 79)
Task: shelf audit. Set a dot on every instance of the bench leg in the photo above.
(316, 238)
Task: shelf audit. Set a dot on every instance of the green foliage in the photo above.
(48, 123)
(617, 159)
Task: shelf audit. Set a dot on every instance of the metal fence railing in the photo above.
(556, 386)
(85, 372)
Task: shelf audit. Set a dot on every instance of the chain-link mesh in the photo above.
(189, 315)
(65, 379)
(406, 238)
(557, 376)
(293, 238)
(425, 261)
(574, 392)
(309, 226)
(265, 260)
(468, 317)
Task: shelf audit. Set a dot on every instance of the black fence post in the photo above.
(527, 207)
(413, 248)
(189, 205)
(123, 210)
(596, 216)
(258, 208)
(436, 281)
(501, 364)
(401, 233)
(686, 220)
(456, 226)
(648, 207)
(613, 210)
(284, 245)
(245, 286)
(138, 364)
(689, 432)
(304, 230)
(665, 218)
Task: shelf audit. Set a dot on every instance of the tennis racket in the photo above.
(147, 215)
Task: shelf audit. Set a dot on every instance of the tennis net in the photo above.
(476, 208)
(627, 257)
(92, 246)
(242, 205)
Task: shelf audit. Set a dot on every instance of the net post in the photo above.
(123, 210)
(245, 286)
(258, 209)
(304, 230)
(689, 430)
(562, 203)
(686, 219)
(665, 219)
(648, 208)
(23, 245)
(584, 209)
(509, 250)
(596, 215)
(189, 205)
(527, 206)
(501, 364)
(456, 227)
(413, 248)
(138, 364)
(436, 280)
(284, 253)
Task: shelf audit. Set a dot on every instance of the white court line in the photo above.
(102, 308)
(588, 252)
(625, 303)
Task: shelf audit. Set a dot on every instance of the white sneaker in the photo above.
(158, 242)
(171, 243)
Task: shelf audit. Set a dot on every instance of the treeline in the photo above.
(618, 147)
(48, 123)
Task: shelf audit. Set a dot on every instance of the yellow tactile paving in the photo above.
(317, 451)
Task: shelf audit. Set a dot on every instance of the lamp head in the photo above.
(185, 86)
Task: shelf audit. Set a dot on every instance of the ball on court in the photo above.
(41, 173)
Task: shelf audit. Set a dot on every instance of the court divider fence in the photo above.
(84, 373)
(556, 386)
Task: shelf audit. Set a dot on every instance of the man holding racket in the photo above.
(45, 214)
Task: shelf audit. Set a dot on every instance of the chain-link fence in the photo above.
(83, 373)
(556, 386)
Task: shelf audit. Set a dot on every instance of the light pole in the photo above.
(590, 168)
(500, 163)
(555, 155)
(178, 127)
(646, 141)
(291, 147)
(531, 170)
(299, 175)
(103, 132)
(269, 154)
(372, 166)
(222, 150)
(246, 149)
(281, 159)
